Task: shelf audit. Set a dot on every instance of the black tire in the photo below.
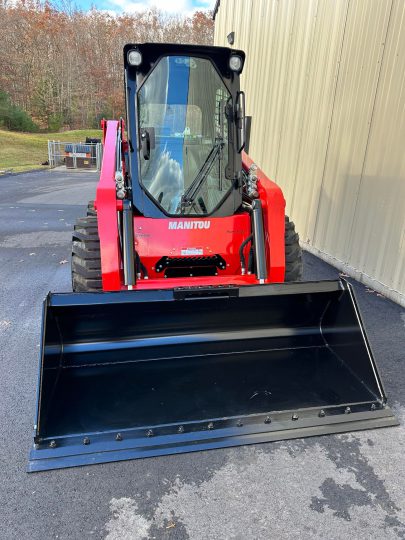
(91, 211)
(86, 259)
(293, 253)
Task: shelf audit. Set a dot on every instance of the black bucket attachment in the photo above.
(145, 373)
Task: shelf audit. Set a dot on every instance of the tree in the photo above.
(64, 67)
(14, 118)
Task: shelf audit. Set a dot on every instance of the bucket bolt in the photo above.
(181, 429)
(52, 444)
(348, 410)
(149, 433)
(267, 420)
(118, 437)
(210, 425)
(86, 440)
(294, 416)
(321, 413)
(373, 406)
(239, 423)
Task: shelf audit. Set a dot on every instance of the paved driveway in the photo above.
(335, 487)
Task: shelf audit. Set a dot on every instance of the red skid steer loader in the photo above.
(188, 328)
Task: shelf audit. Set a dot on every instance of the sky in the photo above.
(184, 7)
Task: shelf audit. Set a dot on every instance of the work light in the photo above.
(235, 63)
(134, 58)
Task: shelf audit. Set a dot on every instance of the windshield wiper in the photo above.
(188, 197)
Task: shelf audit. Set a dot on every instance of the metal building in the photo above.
(325, 84)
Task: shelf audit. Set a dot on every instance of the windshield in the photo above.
(184, 135)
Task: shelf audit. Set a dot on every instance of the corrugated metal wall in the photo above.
(325, 84)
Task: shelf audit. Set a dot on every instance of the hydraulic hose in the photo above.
(140, 267)
(241, 255)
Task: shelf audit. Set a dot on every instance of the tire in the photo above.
(86, 259)
(293, 253)
(91, 211)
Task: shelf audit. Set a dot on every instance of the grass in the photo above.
(26, 151)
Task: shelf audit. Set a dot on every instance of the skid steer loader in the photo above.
(188, 328)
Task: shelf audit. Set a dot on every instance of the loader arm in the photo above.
(108, 205)
(273, 204)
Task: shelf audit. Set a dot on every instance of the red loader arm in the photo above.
(273, 204)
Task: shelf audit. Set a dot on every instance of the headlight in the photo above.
(235, 63)
(134, 58)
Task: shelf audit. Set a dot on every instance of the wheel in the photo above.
(86, 259)
(293, 253)
(91, 211)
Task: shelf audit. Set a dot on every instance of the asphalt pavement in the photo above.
(331, 487)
